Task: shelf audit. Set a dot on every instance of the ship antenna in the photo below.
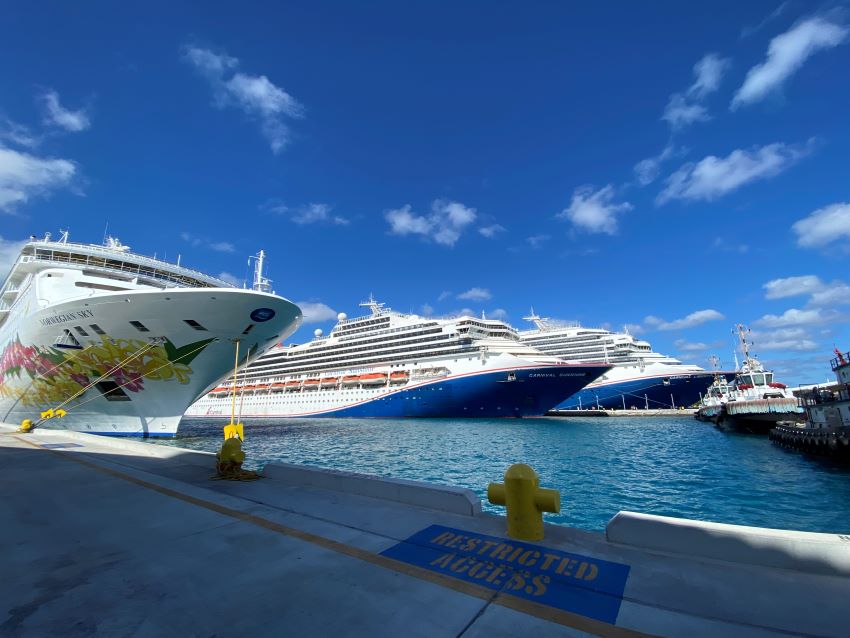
(261, 282)
(537, 320)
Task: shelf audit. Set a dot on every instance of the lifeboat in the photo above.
(329, 382)
(248, 388)
(289, 386)
(311, 384)
(399, 377)
(351, 380)
(776, 384)
(373, 378)
(262, 386)
(277, 387)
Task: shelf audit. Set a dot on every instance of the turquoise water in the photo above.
(670, 466)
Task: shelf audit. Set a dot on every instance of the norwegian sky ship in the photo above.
(639, 378)
(123, 343)
(388, 364)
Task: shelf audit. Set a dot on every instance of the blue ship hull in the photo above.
(521, 392)
(644, 393)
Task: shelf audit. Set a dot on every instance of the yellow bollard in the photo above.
(26, 425)
(525, 501)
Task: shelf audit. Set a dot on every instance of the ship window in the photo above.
(248, 329)
(758, 379)
(97, 329)
(81, 332)
(111, 391)
(194, 324)
(138, 325)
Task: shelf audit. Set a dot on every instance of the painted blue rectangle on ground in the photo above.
(57, 446)
(571, 582)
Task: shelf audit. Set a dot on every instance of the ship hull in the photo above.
(130, 382)
(501, 391)
(663, 390)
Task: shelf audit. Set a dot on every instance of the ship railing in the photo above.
(840, 360)
(144, 267)
(82, 257)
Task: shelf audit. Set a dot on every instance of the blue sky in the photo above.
(671, 166)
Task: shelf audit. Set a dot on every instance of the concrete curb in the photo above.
(827, 554)
(435, 497)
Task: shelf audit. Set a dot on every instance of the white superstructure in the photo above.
(640, 377)
(392, 364)
(122, 342)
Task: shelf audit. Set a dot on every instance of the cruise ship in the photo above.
(121, 343)
(640, 378)
(389, 364)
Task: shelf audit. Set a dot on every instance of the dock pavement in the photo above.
(110, 537)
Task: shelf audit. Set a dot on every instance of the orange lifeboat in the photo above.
(311, 384)
(329, 382)
(373, 378)
(350, 380)
(262, 386)
(277, 387)
(399, 377)
(289, 386)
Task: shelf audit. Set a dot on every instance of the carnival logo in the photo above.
(262, 314)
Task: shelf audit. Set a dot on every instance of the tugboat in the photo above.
(753, 401)
(827, 428)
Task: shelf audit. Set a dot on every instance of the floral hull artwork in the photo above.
(39, 377)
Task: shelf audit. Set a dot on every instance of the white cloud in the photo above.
(444, 295)
(594, 212)
(709, 72)
(223, 247)
(679, 113)
(685, 109)
(18, 134)
(427, 310)
(824, 226)
(444, 225)
(315, 312)
(786, 54)
(491, 231)
(255, 95)
(713, 177)
(309, 214)
(23, 176)
(730, 246)
(535, 241)
(476, 294)
(748, 31)
(634, 328)
(231, 279)
(694, 319)
(9, 250)
(57, 115)
(687, 346)
(498, 313)
(792, 286)
(792, 317)
(648, 169)
(836, 294)
(799, 345)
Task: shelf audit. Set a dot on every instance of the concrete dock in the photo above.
(112, 537)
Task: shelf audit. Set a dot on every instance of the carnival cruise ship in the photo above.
(640, 378)
(122, 343)
(388, 364)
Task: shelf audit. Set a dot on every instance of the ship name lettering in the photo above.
(542, 374)
(66, 316)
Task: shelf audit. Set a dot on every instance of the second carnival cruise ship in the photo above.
(640, 378)
(388, 364)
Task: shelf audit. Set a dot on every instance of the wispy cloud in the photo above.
(23, 176)
(219, 246)
(688, 346)
(713, 177)
(426, 310)
(793, 317)
(748, 31)
(476, 294)
(9, 250)
(498, 313)
(594, 211)
(444, 225)
(18, 134)
(785, 56)
(57, 115)
(444, 295)
(310, 214)
(230, 278)
(647, 170)
(536, 241)
(684, 109)
(255, 95)
(492, 230)
(792, 286)
(730, 246)
(824, 226)
(795, 339)
(316, 312)
(694, 319)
